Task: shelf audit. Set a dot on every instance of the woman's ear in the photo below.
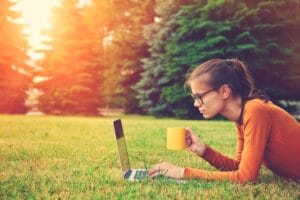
(225, 91)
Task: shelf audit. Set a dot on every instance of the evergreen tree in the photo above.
(70, 64)
(153, 79)
(15, 76)
(107, 20)
(128, 46)
(275, 25)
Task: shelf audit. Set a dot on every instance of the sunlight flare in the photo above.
(35, 15)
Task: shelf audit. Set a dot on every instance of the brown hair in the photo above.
(231, 72)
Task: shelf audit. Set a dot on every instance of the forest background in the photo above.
(135, 54)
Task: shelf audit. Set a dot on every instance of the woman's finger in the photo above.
(154, 169)
(155, 174)
(157, 170)
(188, 139)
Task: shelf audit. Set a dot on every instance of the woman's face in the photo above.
(207, 99)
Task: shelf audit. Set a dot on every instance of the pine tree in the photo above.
(128, 47)
(70, 64)
(15, 73)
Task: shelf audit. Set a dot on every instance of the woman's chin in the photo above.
(206, 116)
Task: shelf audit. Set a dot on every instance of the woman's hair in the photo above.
(231, 72)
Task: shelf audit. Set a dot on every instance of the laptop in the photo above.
(127, 172)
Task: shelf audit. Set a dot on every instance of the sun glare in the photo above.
(35, 14)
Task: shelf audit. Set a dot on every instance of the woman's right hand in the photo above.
(193, 143)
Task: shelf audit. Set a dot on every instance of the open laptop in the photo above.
(127, 172)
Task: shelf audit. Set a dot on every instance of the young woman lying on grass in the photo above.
(266, 134)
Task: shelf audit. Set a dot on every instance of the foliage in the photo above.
(154, 79)
(275, 67)
(98, 66)
(128, 47)
(51, 157)
(70, 64)
(135, 54)
(153, 75)
(15, 76)
(101, 20)
(251, 31)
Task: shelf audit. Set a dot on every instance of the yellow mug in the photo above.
(175, 138)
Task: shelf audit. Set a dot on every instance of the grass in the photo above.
(50, 157)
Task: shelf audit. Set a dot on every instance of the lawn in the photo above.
(52, 157)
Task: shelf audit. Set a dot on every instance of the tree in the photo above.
(70, 64)
(112, 43)
(275, 25)
(154, 78)
(15, 76)
(128, 47)
(107, 19)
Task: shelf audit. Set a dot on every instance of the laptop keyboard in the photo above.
(140, 174)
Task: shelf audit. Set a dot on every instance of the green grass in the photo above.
(49, 157)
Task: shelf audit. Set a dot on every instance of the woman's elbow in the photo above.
(247, 178)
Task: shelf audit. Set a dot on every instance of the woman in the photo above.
(266, 134)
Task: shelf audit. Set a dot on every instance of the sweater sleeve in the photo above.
(256, 126)
(223, 162)
(220, 161)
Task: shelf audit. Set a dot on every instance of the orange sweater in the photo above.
(268, 135)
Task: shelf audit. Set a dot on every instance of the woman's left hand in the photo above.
(166, 169)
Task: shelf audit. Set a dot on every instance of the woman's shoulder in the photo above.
(257, 104)
(263, 108)
(257, 108)
(256, 111)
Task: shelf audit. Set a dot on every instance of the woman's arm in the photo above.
(215, 158)
(256, 128)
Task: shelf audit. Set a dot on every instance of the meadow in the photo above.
(55, 157)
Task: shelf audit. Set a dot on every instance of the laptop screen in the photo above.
(121, 143)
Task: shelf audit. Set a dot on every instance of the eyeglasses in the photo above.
(199, 96)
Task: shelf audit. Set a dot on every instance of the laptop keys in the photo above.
(127, 174)
(140, 174)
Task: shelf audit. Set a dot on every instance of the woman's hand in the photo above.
(193, 143)
(166, 169)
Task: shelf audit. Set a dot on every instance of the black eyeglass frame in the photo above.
(199, 96)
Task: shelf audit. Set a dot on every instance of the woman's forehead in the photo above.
(202, 79)
(200, 84)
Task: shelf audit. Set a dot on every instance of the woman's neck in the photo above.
(233, 109)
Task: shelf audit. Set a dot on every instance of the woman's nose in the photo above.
(196, 103)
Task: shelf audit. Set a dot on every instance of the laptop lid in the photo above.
(121, 144)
